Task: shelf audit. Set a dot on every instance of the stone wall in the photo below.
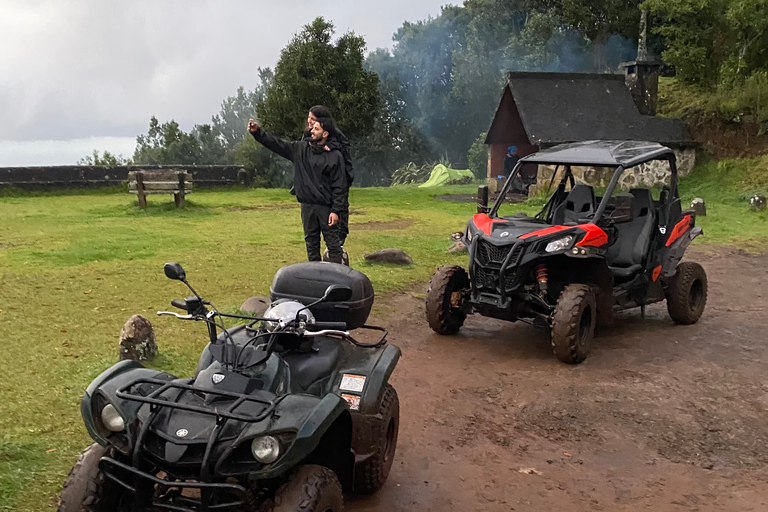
(651, 174)
(88, 176)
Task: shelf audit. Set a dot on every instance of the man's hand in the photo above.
(252, 126)
(333, 219)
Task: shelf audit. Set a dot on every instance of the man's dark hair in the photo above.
(327, 124)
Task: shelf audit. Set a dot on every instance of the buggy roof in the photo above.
(601, 153)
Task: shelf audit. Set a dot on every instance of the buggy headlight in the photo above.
(265, 449)
(112, 419)
(559, 244)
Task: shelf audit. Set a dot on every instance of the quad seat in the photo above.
(309, 367)
(626, 256)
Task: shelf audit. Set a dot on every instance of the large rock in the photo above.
(137, 340)
(699, 207)
(757, 203)
(395, 256)
(255, 306)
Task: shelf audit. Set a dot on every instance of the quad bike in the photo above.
(581, 258)
(280, 416)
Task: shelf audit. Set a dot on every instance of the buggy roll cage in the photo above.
(619, 164)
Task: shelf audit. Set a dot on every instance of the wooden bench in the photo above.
(166, 181)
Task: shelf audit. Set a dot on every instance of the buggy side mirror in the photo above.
(337, 293)
(482, 199)
(174, 271)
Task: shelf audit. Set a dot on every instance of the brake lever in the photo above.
(180, 317)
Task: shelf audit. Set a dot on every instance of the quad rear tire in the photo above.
(311, 488)
(445, 297)
(687, 293)
(86, 489)
(371, 475)
(573, 323)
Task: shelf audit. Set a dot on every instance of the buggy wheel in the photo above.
(573, 323)
(310, 488)
(445, 298)
(86, 489)
(372, 474)
(687, 293)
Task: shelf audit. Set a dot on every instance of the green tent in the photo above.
(442, 175)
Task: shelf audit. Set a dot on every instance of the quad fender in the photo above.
(676, 251)
(376, 368)
(314, 417)
(102, 390)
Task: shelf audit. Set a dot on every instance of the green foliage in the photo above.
(737, 101)
(713, 42)
(265, 168)
(106, 159)
(411, 173)
(166, 144)
(232, 119)
(478, 157)
(314, 70)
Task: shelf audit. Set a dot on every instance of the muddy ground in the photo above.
(659, 417)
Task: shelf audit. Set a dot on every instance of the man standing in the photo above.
(319, 181)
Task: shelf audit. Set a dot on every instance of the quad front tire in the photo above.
(311, 488)
(573, 323)
(86, 489)
(445, 297)
(687, 293)
(372, 474)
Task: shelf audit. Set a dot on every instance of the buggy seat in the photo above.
(627, 255)
(315, 364)
(579, 203)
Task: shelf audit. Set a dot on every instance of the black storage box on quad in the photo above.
(307, 282)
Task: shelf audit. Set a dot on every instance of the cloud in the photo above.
(80, 69)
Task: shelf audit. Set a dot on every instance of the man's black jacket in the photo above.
(319, 176)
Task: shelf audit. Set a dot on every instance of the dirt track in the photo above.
(659, 417)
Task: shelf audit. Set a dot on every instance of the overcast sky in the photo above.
(82, 75)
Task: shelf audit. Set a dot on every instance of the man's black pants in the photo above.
(314, 217)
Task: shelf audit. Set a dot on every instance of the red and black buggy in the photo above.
(582, 257)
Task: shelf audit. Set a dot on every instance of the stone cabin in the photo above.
(540, 110)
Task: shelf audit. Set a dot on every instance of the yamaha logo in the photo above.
(217, 377)
(504, 234)
(182, 432)
(662, 229)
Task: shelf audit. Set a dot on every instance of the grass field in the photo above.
(75, 266)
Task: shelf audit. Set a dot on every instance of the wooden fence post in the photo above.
(140, 190)
(179, 197)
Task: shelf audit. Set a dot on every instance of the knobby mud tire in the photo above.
(442, 317)
(311, 488)
(86, 489)
(687, 293)
(371, 475)
(572, 331)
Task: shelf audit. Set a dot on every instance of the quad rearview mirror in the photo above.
(174, 271)
(337, 293)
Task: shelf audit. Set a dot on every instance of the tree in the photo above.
(166, 144)
(314, 70)
(235, 111)
(106, 159)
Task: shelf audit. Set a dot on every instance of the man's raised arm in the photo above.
(279, 146)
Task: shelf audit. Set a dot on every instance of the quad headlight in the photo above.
(112, 419)
(559, 244)
(265, 449)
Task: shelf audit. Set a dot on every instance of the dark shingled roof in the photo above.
(601, 152)
(567, 107)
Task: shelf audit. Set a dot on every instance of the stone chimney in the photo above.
(642, 74)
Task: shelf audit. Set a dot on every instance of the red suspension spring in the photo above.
(541, 277)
